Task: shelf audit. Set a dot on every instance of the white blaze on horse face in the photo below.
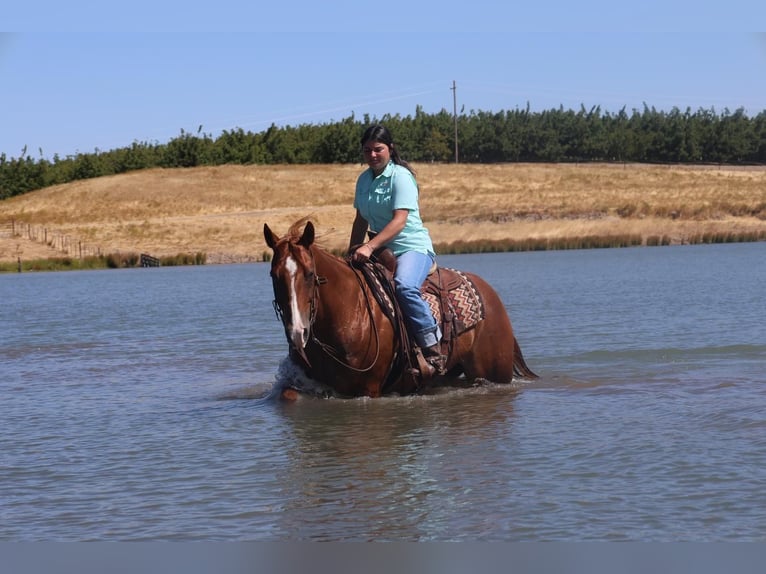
(298, 328)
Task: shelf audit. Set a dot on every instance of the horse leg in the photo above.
(488, 350)
(485, 354)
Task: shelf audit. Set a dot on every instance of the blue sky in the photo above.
(104, 85)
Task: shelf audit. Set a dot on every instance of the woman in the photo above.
(386, 202)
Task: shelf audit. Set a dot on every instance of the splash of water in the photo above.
(291, 376)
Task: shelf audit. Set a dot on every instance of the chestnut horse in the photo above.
(339, 334)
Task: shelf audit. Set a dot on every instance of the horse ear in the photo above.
(308, 235)
(271, 238)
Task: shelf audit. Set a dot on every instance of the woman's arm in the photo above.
(391, 230)
(358, 230)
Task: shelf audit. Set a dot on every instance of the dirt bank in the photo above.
(221, 210)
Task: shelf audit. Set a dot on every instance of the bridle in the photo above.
(328, 349)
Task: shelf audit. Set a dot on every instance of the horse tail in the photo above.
(520, 368)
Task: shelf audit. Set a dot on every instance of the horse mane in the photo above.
(296, 230)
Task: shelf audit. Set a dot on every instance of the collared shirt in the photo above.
(376, 198)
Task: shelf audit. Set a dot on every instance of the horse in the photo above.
(340, 335)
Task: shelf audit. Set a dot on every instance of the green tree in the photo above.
(338, 143)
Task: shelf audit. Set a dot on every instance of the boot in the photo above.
(435, 358)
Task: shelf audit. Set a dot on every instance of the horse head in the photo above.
(293, 276)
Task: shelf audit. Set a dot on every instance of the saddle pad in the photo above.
(373, 272)
(463, 300)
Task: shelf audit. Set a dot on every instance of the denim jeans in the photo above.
(411, 271)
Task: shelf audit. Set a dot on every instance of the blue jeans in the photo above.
(411, 271)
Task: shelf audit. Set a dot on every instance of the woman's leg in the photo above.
(411, 271)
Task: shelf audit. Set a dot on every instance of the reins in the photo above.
(328, 349)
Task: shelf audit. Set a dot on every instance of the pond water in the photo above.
(138, 405)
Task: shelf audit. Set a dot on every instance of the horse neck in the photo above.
(338, 282)
(330, 268)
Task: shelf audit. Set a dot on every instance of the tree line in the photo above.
(648, 135)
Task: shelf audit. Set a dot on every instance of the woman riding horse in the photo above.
(386, 202)
(340, 335)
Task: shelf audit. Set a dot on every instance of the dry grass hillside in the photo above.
(220, 211)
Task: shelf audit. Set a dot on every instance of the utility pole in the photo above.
(454, 112)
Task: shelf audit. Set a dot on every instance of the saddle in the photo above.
(454, 301)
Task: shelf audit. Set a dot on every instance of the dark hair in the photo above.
(380, 134)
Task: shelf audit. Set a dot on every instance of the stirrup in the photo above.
(434, 359)
(423, 367)
(438, 362)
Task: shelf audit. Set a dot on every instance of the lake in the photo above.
(138, 405)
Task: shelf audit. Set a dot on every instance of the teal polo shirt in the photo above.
(376, 198)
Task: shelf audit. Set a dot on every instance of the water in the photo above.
(136, 405)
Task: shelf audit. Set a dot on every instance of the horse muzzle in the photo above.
(299, 338)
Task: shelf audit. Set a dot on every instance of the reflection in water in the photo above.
(391, 468)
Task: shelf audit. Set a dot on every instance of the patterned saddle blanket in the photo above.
(454, 300)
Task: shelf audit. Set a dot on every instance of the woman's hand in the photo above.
(362, 254)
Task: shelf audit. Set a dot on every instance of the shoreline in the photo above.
(124, 261)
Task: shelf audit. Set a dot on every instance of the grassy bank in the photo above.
(591, 242)
(110, 261)
(121, 261)
(220, 211)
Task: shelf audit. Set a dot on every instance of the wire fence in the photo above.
(67, 244)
